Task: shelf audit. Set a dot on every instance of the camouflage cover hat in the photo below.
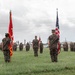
(53, 30)
(6, 34)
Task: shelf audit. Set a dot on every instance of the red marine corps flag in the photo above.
(10, 31)
(39, 40)
(57, 31)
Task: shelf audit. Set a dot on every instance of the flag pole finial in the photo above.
(56, 8)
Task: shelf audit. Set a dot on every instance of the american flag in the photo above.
(57, 31)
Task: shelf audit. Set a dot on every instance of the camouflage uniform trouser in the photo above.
(71, 49)
(65, 49)
(27, 48)
(6, 55)
(53, 54)
(35, 51)
(20, 49)
(14, 49)
(41, 50)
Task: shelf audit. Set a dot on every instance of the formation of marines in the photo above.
(53, 41)
(67, 46)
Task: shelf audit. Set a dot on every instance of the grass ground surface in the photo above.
(24, 63)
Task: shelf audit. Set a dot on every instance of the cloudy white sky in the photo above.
(38, 17)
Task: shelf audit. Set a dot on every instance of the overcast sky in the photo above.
(38, 17)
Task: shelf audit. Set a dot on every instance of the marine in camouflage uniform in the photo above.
(5, 43)
(53, 40)
(35, 46)
(71, 46)
(41, 47)
(74, 46)
(65, 46)
(14, 47)
(27, 46)
(21, 47)
(60, 46)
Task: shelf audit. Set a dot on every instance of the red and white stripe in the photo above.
(57, 32)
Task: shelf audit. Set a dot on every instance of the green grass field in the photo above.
(24, 63)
